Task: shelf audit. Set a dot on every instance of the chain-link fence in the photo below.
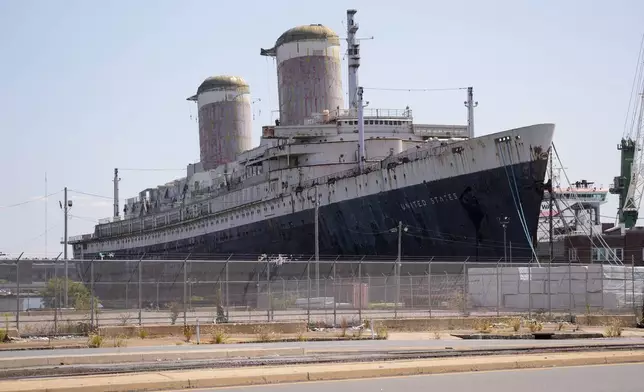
(280, 289)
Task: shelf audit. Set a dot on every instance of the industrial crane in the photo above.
(629, 185)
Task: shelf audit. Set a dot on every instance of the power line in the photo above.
(31, 201)
(93, 220)
(415, 89)
(91, 194)
(136, 169)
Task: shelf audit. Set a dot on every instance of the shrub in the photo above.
(613, 329)
(95, 341)
(382, 332)
(173, 307)
(515, 323)
(188, 332)
(218, 335)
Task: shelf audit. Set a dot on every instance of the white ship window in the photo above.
(607, 254)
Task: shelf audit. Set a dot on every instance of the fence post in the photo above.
(570, 297)
(625, 286)
(18, 294)
(429, 286)
(498, 290)
(465, 286)
(397, 283)
(633, 283)
(268, 290)
(91, 293)
(602, 284)
(530, 288)
(550, 288)
(335, 293)
(360, 291)
(140, 291)
(411, 292)
(227, 303)
(308, 292)
(185, 290)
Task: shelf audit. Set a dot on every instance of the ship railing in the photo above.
(343, 114)
(374, 113)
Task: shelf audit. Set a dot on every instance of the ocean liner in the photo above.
(349, 177)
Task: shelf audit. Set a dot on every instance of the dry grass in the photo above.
(188, 331)
(613, 329)
(264, 334)
(119, 341)
(535, 326)
(218, 335)
(382, 332)
(483, 325)
(124, 318)
(515, 323)
(95, 341)
(143, 333)
(344, 325)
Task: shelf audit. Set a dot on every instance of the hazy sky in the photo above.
(87, 86)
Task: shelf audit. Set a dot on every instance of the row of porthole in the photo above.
(244, 214)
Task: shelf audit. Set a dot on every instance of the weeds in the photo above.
(143, 333)
(119, 341)
(218, 335)
(613, 329)
(188, 331)
(382, 332)
(124, 318)
(482, 325)
(94, 341)
(535, 326)
(300, 335)
(515, 323)
(264, 334)
(560, 325)
(4, 335)
(173, 307)
(344, 325)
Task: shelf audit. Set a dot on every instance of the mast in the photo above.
(361, 149)
(470, 105)
(355, 92)
(116, 192)
(550, 207)
(354, 58)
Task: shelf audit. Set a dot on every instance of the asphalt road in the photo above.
(603, 378)
(338, 345)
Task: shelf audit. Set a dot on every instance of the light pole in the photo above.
(399, 229)
(66, 206)
(317, 243)
(503, 221)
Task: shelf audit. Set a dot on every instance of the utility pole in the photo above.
(504, 221)
(398, 265)
(67, 204)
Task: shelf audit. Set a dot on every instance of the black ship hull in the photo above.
(454, 219)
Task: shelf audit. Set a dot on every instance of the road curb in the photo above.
(273, 375)
(114, 358)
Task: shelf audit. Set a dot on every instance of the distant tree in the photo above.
(79, 295)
